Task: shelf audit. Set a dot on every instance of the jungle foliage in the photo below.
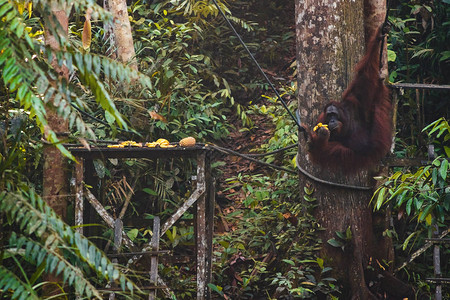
(419, 41)
(419, 196)
(195, 79)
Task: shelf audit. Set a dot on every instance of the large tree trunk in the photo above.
(330, 41)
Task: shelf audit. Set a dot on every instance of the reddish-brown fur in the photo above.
(365, 134)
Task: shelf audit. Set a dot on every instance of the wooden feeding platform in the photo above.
(202, 198)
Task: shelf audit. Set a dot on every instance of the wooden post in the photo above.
(210, 205)
(79, 201)
(118, 234)
(118, 229)
(437, 264)
(154, 259)
(89, 213)
(201, 230)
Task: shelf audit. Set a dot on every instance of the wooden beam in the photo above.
(79, 200)
(107, 218)
(198, 192)
(420, 86)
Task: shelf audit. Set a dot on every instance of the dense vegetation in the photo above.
(195, 79)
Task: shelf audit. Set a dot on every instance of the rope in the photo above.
(273, 152)
(232, 152)
(303, 171)
(334, 184)
(386, 21)
(297, 121)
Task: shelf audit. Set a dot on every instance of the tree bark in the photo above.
(123, 37)
(330, 41)
(55, 182)
(374, 15)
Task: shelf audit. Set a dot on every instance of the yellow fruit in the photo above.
(162, 142)
(187, 142)
(166, 146)
(320, 125)
(151, 145)
(131, 143)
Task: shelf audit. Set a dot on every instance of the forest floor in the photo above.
(247, 141)
(242, 141)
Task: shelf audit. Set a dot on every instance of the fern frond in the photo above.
(54, 262)
(35, 217)
(19, 289)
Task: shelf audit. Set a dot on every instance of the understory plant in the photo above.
(420, 200)
(271, 250)
(34, 241)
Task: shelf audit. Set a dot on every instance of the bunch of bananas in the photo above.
(162, 143)
(320, 125)
(125, 144)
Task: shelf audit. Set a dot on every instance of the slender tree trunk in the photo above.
(330, 41)
(55, 182)
(123, 37)
(55, 185)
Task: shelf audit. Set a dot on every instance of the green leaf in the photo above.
(443, 169)
(288, 261)
(392, 56)
(434, 176)
(380, 198)
(215, 288)
(97, 64)
(320, 262)
(150, 191)
(428, 219)
(408, 206)
(446, 148)
(348, 233)
(335, 243)
(4, 9)
(340, 235)
(20, 29)
(133, 233)
(109, 117)
(88, 62)
(405, 243)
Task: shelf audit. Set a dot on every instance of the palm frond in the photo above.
(36, 218)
